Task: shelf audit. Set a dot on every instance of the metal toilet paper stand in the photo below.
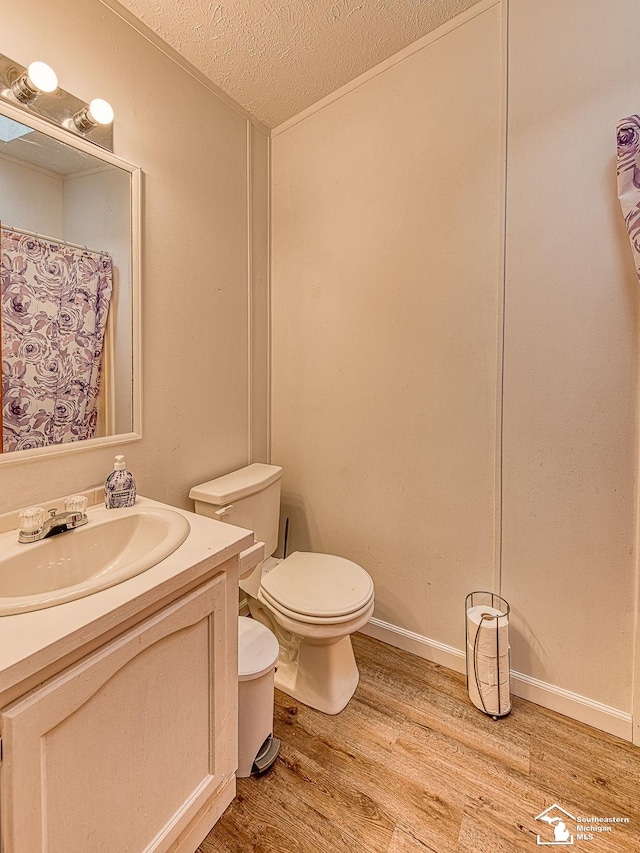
(494, 628)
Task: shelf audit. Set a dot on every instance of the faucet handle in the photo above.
(76, 503)
(32, 519)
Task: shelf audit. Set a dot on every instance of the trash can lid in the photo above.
(257, 649)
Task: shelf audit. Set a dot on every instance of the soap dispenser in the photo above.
(119, 487)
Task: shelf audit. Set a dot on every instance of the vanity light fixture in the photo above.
(97, 112)
(38, 78)
(24, 87)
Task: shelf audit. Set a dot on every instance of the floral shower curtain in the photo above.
(55, 301)
(629, 180)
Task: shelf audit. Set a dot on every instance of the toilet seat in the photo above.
(317, 588)
(311, 620)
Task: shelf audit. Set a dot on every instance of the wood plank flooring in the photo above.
(410, 766)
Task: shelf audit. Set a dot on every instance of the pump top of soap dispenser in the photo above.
(119, 465)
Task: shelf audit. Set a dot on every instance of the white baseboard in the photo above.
(565, 702)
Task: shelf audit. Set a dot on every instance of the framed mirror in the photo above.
(70, 298)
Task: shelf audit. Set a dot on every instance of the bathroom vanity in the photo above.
(118, 718)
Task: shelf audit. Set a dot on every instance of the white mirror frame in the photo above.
(49, 129)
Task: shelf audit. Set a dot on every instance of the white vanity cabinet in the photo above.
(132, 748)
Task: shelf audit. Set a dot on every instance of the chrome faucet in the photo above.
(35, 526)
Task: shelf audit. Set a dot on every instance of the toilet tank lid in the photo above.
(237, 484)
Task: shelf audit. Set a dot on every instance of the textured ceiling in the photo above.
(277, 57)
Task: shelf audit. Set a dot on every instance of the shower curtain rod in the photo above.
(54, 239)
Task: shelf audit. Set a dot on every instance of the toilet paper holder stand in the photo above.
(496, 602)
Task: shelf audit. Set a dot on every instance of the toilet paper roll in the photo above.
(494, 702)
(486, 668)
(492, 633)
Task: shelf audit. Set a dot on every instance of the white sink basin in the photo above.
(115, 545)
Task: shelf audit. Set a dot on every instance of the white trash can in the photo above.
(257, 657)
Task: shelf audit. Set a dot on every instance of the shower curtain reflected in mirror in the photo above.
(628, 174)
(54, 308)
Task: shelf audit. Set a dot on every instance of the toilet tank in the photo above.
(249, 497)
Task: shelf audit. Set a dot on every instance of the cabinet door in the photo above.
(122, 751)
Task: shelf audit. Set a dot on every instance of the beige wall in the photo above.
(387, 300)
(386, 237)
(570, 462)
(96, 214)
(40, 207)
(197, 237)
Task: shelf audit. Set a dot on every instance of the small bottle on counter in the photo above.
(119, 487)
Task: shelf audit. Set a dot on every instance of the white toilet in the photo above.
(312, 602)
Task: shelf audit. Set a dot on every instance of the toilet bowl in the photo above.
(312, 602)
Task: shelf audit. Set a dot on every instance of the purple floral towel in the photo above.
(629, 180)
(55, 301)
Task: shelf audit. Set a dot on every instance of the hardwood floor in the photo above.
(410, 766)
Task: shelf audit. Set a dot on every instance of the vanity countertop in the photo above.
(35, 645)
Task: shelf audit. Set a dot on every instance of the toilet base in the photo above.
(319, 671)
(324, 677)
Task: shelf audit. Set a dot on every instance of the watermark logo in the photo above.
(557, 833)
(559, 828)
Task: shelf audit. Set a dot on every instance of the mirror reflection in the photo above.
(66, 299)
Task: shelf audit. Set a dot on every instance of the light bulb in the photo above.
(101, 111)
(38, 78)
(98, 112)
(42, 77)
